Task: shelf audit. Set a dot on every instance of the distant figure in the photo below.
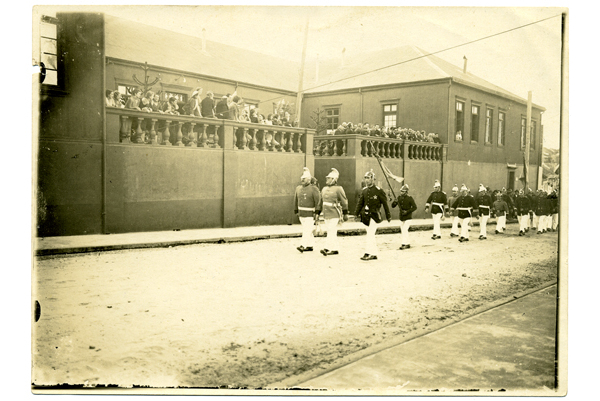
(222, 109)
(464, 205)
(454, 231)
(334, 206)
(306, 201)
(370, 201)
(406, 205)
(484, 202)
(439, 203)
(500, 210)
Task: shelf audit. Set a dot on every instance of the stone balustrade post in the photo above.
(179, 134)
(153, 132)
(167, 134)
(124, 130)
(139, 133)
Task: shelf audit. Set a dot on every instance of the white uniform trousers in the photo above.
(536, 220)
(523, 220)
(483, 225)
(548, 222)
(308, 224)
(455, 225)
(371, 247)
(404, 226)
(464, 227)
(437, 218)
(501, 223)
(554, 221)
(331, 243)
(541, 224)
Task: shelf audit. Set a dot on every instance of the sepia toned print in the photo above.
(341, 200)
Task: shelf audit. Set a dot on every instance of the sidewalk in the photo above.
(157, 239)
(503, 349)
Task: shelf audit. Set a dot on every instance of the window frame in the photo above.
(523, 140)
(327, 117)
(502, 136)
(532, 134)
(489, 126)
(461, 120)
(475, 127)
(59, 87)
(395, 103)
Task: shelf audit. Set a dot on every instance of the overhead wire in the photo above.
(419, 57)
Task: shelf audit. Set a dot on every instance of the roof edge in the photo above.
(497, 93)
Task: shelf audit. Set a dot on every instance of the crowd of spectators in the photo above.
(229, 107)
(385, 132)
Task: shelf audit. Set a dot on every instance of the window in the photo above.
(390, 112)
(501, 128)
(333, 118)
(181, 97)
(49, 50)
(532, 134)
(475, 123)
(460, 121)
(489, 114)
(523, 130)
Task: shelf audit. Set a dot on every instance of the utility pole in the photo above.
(527, 140)
(301, 80)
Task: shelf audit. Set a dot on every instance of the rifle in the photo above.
(382, 170)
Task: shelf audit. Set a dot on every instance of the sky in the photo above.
(522, 60)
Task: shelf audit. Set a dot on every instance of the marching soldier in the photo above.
(464, 205)
(369, 202)
(549, 212)
(406, 204)
(454, 232)
(500, 210)
(439, 203)
(522, 207)
(541, 211)
(485, 203)
(334, 206)
(533, 200)
(306, 200)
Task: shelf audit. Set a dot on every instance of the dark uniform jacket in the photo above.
(532, 201)
(541, 208)
(484, 204)
(464, 201)
(553, 200)
(369, 203)
(407, 205)
(439, 198)
(523, 205)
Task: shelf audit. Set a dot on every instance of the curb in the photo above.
(292, 382)
(225, 240)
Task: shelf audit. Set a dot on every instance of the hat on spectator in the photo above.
(333, 174)
(305, 174)
(404, 187)
(481, 188)
(455, 187)
(464, 188)
(370, 174)
(437, 184)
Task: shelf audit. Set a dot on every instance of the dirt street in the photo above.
(253, 313)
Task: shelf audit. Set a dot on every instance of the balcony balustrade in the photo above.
(368, 146)
(157, 129)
